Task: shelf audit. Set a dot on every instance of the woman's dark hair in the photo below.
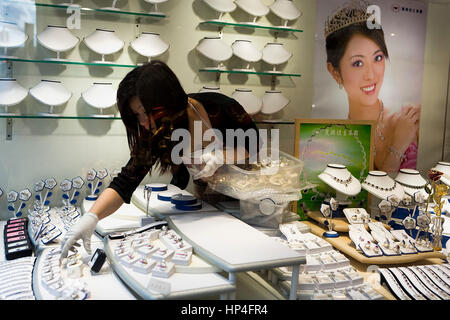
(336, 42)
(162, 96)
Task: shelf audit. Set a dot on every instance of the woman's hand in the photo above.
(405, 127)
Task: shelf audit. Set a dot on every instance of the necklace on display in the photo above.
(411, 186)
(380, 188)
(341, 181)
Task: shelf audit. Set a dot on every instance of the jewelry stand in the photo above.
(286, 10)
(273, 102)
(51, 93)
(251, 103)
(11, 93)
(11, 37)
(103, 42)
(411, 181)
(58, 39)
(100, 96)
(245, 50)
(444, 167)
(275, 54)
(215, 49)
(222, 7)
(155, 5)
(255, 8)
(149, 45)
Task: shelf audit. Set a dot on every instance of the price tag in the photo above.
(24, 195)
(78, 182)
(91, 174)
(50, 183)
(102, 173)
(39, 186)
(12, 196)
(65, 185)
(160, 286)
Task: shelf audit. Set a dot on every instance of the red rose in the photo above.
(434, 175)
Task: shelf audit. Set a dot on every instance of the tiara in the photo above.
(351, 12)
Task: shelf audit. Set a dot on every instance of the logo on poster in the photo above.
(374, 20)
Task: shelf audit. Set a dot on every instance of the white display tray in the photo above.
(163, 208)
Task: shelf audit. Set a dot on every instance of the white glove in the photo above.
(83, 229)
(212, 163)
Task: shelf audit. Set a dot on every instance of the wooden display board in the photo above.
(319, 142)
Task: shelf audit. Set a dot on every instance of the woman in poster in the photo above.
(356, 59)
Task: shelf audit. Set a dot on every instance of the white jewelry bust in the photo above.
(11, 36)
(286, 10)
(444, 167)
(11, 93)
(210, 89)
(214, 48)
(251, 103)
(245, 50)
(254, 8)
(273, 101)
(411, 181)
(275, 54)
(51, 93)
(380, 185)
(58, 39)
(221, 6)
(103, 42)
(155, 5)
(149, 45)
(100, 96)
(340, 179)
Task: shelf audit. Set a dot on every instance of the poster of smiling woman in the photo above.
(369, 66)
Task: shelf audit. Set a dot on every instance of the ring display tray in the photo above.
(344, 244)
(340, 224)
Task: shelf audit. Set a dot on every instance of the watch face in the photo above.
(78, 182)
(409, 223)
(423, 221)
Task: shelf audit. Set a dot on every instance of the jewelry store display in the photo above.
(11, 37)
(255, 8)
(432, 283)
(357, 215)
(58, 39)
(149, 45)
(275, 54)
(15, 279)
(339, 178)
(221, 6)
(411, 181)
(388, 278)
(286, 10)
(95, 181)
(11, 93)
(51, 93)
(101, 95)
(245, 50)
(251, 103)
(364, 241)
(215, 49)
(104, 42)
(273, 101)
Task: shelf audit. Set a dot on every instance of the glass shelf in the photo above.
(69, 62)
(90, 10)
(248, 25)
(275, 74)
(57, 117)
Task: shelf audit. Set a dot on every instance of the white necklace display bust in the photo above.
(155, 4)
(210, 89)
(222, 6)
(52, 93)
(273, 101)
(245, 50)
(411, 181)
(253, 7)
(58, 39)
(214, 48)
(275, 54)
(149, 45)
(11, 36)
(103, 42)
(251, 103)
(11, 93)
(380, 185)
(444, 167)
(286, 10)
(100, 96)
(340, 179)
